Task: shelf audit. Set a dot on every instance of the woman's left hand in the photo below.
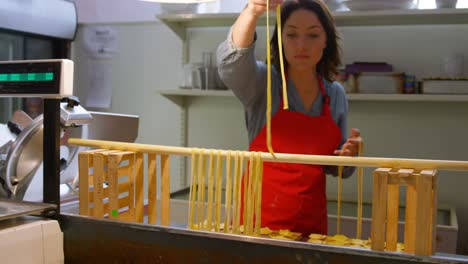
(351, 146)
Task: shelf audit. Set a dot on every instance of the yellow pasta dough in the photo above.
(280, 49)
(193, 180)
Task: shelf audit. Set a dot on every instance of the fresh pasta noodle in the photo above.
(258, 192)
(280, 54)
(236, 194)
(268, 111)
(239, 190)
(249, 205)
(200, 202)
(210, 171)
(283, 76)
(227, 215)
(209, 216)
(219, 174)
(203, 192)
(193, 180)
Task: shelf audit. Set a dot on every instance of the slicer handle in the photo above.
(71, 101)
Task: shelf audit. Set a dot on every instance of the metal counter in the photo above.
(91, 240)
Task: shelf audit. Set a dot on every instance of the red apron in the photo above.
(294, 195)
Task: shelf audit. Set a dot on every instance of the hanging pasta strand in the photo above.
(258, 192)
(241, 169)
(219, 174)
(254, 190)
(200, 202)
(268, 110)
(193, 186)
(227, 215)
(360, 195)
(209, 215)
(249, 205)
(236, 194)
(280, 50)
(203, 194)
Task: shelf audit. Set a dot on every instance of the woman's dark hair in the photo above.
(331, 58)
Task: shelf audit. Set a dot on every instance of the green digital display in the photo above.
(27, 77)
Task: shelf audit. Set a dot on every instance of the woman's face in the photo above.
(304, 40)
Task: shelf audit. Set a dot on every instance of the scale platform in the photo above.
(13, 208)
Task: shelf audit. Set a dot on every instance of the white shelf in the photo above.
(195, 92)
(179, 22)
(408, 97)
(177, 95)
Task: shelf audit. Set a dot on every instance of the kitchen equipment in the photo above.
(445, 86)
(365, 5)
(208, 72)
(446, 3)
(192, 76)
(22, 158)
(379, 83)
(179, 8)
(336, 5)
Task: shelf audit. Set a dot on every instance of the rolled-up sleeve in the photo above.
(240, 72)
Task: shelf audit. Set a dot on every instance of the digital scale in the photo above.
(23, 227)
(51, 80)
(36, 78)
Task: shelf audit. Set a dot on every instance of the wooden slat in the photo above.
(139, 188)
(127, 216)
(423, 215)
(122, 203)
(165, 190)
(83, 167)
(410, 216)
(152, 189)
(98, 161)
(392, 214)
(113, 187)
(379, 208)
(131, 179)
(434, 199)
(123, 187)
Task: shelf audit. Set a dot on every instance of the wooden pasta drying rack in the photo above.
(115, 159)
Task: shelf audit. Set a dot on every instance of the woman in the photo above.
(293, 194)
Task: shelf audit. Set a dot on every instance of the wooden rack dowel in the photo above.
(165, 190)
(152, 191)
(417, 164)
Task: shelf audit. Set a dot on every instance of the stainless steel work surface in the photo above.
(13, 208)
(92, 240)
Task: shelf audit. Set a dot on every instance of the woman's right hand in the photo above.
(258, 7)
